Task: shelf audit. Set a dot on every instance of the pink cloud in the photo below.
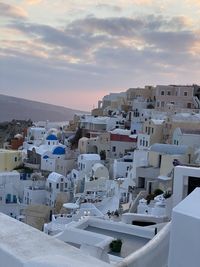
(33, 2)
(12, 11)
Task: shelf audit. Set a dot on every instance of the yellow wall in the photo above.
(153, 158)
(10, 159)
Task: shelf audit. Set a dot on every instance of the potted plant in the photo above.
(116, 245)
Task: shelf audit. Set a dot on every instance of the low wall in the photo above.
(129, 217)
(122, 228)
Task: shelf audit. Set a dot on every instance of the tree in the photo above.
(103, 154)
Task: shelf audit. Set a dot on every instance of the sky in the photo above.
(73, 52)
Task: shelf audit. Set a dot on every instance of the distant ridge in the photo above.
(23, 109)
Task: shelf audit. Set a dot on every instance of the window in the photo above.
(168, 93)
(162, 104)
(15, 159)
(146, 143)
(57, 186)
(158, 104)
(140, 142)
(152, 130)
(185, 93)
(49, 185)
(113, 149)
(49, 143)
(162, 93)
(159, 160)
(65, 185)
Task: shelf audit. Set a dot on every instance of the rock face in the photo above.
(8, 130)
(22, 109)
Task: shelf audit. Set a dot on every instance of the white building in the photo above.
(10, 193)
(56, 184)
(189, 137)
(98, 171)
(143, 141)
(184, 234)
(34, 196)
(92, 123)
(46, 154)
(35, 193)
(186, 179)
(122, 166)
(121, 141)
(35, 135)
(85, 163)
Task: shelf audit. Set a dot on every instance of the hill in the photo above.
(23, 109)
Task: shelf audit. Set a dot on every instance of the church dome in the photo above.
(52, 137)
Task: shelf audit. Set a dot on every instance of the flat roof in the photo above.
(26, 244)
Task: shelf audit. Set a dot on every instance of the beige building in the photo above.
(10, 159)
(111, 144)
(111, 102)
(97, 112)
(159, 171)
(146, 93)
(154, 128)
(95, 145)
(176, 95)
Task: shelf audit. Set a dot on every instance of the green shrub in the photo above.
(167, 194)
(116, 245)
(103, 154)
(149, 198)
(158, 192)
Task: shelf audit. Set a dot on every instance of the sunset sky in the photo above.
(73, 52)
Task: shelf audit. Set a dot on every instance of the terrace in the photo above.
(97, 234)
